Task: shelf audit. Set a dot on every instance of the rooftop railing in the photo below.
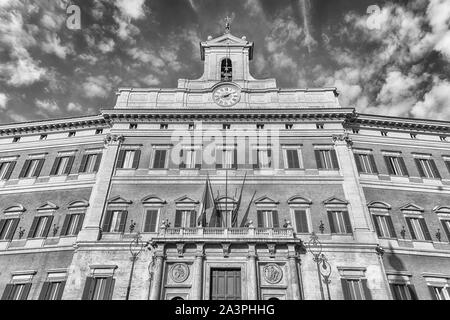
(228, 232)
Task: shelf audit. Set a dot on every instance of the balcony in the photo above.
(226, 233)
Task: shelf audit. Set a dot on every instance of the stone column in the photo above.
(155, 292)
(353, 191)
(100, 190)
(252, 273)
(198, 274)
(293, 273)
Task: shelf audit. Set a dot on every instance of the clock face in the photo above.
(226, 95)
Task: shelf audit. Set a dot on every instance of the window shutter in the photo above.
(373, 164)
(193, 219)
(358, 162)
(137, 157)
(39, 168)
(7, 293)
(392, 232)
(219, 155)
(269, 157)
(80, 223)
(198, 158)
(43, 295)
(147, 222)
(33, 227)
(334, 159)
(435, 169)
(60, 290)
(178, 217)
(301, 221)
(55, 166)
(255, 158)
(69, 165)
(107, 221)
(123, 220)
(447, 163)
(276, 223)
(346, 290)
(394, 291)
(331, 221)
(412, 292)
(25, 292)
(12, 231)
(25, 167)
(2, 224)
(318, 160)
(235, 162)
(432, 293)
(83, 164)
(367, 294)
(65, 225)
(423, 224)
(47, 226)
(388, 165)
(403, 166)
(419, 168)
(377, 226)
(109, 288)
(88, 289)
(348, 225)
(260, 219)
(11, 166)
(411, 230)
(447, 232)
(296, 159)
(97, 162)
(182, 164)
(120, 159)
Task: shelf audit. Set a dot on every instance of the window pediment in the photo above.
(78, 204)
(299, 200)
(48, 206)
(119, 200)
(265, 200)
(379, 205)
(334, 201)
(153, 200)
(185, 200)
(14, 209)
(442, 209)
(411, 207)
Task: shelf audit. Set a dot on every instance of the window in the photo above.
(355, 131)
(31, 168)
(163, 126)
(133, 126)
(288, 126)
(90, 163)
(52, 290)
(226, 70)
(8, 228)
(72, 134)
(268, 219)
(226, 126)
(427, 168)
(396, 166)
(40, 227)
(293, 158)
(62, 165)
(16, 291)
(443, 138)
(72, 224)
(403, 291)
(159, 158)
(151, 218)
(189, 160)
(264, 159)
(16, 139)
(128, 159)
(418, 228)
(355, 289)
(229, 158)
(440, 293)
(6, 169)
(384, 133)
(43, 137)
(191, 126)
(446, 227)
(384, 226)
(365, 163)
(413, 135)
(339, 222)
(326, 159)
(301, 221)
(98, 288)
(319, 125)
(98, 131)
(185, 219)
(447, 163)
(114, 221)
(259, 126)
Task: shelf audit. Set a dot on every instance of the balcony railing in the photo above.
(232, 233)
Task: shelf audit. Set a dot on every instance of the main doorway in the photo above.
(225, 284)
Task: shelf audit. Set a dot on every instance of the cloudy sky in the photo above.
(385, 57)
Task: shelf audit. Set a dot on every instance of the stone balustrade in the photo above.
(225, 233)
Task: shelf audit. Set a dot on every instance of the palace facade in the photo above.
(79, 197)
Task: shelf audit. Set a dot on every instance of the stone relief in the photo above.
(179, 272)
(272, 273)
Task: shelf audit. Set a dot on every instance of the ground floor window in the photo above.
(226, 284)
(98, 288)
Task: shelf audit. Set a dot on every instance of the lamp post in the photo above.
(136, 247)
(325, 271)
(315, 248)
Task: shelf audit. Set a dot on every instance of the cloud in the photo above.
(74, 107)
(151, 80)
(53, 45)
(436, 102)
(3, 101)
(131, 8)
(47, 105)
(98, 86)
(106, 45)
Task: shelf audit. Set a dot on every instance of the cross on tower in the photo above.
(227, 24)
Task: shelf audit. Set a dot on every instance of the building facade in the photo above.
(76, 193)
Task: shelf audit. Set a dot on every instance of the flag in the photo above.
(244, 218)
(234, 219)
(207, 205)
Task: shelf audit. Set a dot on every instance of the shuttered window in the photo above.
(365, 163)
(40, 227)
(52, 290)
(31, 168)
(159, 159)
(264, 159)
(396, 166)
(418, 228)
(8, 228)
(6, 169)
(326, 159)
(339, 222)
(446, 226)
(16, 291)
(440, 293)
(62, 165)
(98, 288)
(384, 226)
(90, 163)
(355, 289)
(301, 221)
(128, 159)
(292, 158)
(403, 291)
(185, 218)
(268, 219)
(427, 168)
(151, 218)
(114, 221)
(72, 224)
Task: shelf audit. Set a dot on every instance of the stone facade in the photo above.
(68, 225)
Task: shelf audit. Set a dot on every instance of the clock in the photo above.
(226, 95)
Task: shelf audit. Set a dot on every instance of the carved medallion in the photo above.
(179, 272)
(272, 273)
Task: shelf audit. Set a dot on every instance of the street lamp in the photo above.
(136, 247)
(325, 271)
(315, 248)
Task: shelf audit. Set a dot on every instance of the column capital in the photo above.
(114, 139)
(342, 139)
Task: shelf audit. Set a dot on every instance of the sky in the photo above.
(385, 57)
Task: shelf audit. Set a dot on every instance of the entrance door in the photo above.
(226, 284)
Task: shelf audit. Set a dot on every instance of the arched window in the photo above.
(226, 70)
(177, 298)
